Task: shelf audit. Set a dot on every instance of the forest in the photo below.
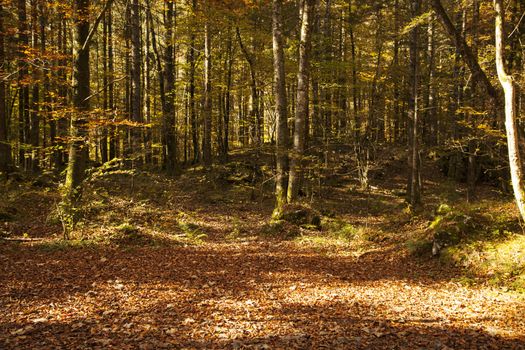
(262, 174)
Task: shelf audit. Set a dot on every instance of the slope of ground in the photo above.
(192, 263)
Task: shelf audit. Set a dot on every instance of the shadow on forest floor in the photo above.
(183, 263)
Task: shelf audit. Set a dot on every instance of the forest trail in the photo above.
(260, 295)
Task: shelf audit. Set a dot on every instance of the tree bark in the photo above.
(23, 87)
(281, 106)
(414, 185)
(207, 107)
(136, 81)
(35, 95)
(227, 102)
(113, 137)
(508, 84)
(193, 116)
(105, 80)
(170, 137)
(5, 152)
(254, 96)
(78, 149)
(301, 112)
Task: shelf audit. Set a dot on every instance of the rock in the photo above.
(300, 215)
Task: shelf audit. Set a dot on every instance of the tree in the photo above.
(191, 86)
(306, 12)
(78, 149)
(509, 89)
(463, 48)
(5, 152)
(207, 105)
(170, 136)
(254, 95)
(23, 87)
(281, 106)
(414, 177)
(136, 78)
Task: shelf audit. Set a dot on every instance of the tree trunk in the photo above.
(136, 82)
(281, 106)
(414, 185)
(355, 89)
(23, 88)
(193, 116)
(507, 82)
(105, 80)
(170, 137)
(78, 149)
(227, 103)
(113, 139)
(301, 112)
(254, 114)
(78, 146)
(5, 152)
(206, 144)
(463, 48)
(35, 95)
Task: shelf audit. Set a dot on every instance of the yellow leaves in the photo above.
(470, 110)
(421, 19)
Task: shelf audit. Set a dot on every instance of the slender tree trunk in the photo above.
(62, 122)
(136, 81)
(508, 84)
(207, 107)
(281, 106)
(23, 87)
(431, 105)
(303, 78)
(162, 79)
(113, 137)
(414, 185)
(105, 80)
(170, 137)
(5, 152)
(193, 116)
(395, 67)
(35, 95)
(46, 91)
(473, 144)
(254, 96)
(355, 88)
(227, 103)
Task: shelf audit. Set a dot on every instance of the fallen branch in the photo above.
(22, 239)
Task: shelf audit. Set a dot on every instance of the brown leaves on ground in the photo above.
(237, 289)
(257, 295)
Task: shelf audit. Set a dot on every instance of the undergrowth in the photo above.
(484, 239)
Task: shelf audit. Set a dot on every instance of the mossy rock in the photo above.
(280, 228)
(43, 180)
(300, 215)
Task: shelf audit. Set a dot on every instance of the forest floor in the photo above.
(193, 263)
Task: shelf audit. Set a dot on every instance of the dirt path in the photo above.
(260, 295)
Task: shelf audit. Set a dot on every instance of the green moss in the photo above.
(192, 232)
(126, 228)
(419, 247)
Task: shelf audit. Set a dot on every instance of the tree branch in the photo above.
(95, 25)
(463, 48)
